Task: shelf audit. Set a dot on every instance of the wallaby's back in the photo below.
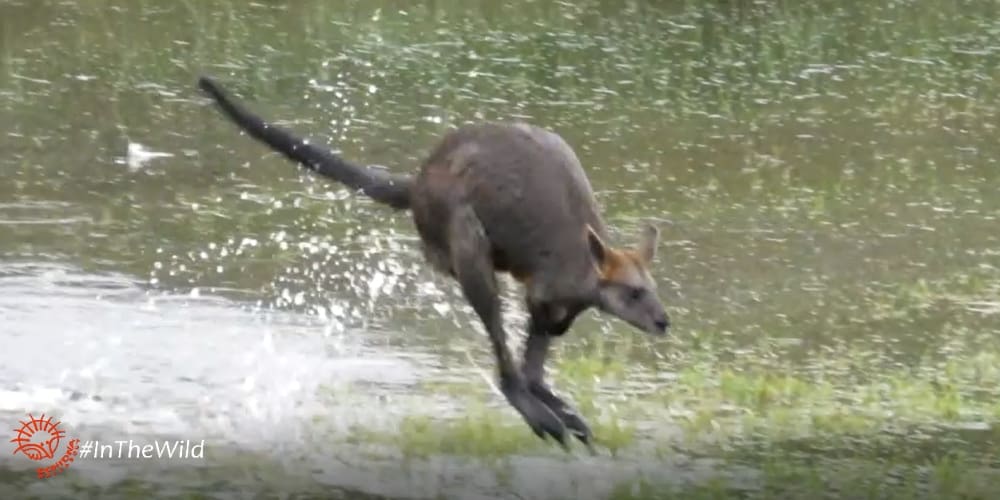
(524, 184)
(528, 190)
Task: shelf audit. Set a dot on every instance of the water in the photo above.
(824, 175)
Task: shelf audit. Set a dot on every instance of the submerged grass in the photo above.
(482, 433)
(701, 396)
(943, 478)
(489, 433)
(716, 402)
(845, 424)
(846, 432)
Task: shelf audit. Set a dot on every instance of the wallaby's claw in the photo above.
(542, 419)
(570, 418)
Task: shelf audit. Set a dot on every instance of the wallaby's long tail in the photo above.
(393, 190)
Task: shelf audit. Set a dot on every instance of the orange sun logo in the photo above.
(39, 438)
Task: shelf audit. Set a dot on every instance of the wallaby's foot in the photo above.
(542, 419)
(570, 417)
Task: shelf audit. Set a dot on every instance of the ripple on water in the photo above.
(105, 354)
(40, 212)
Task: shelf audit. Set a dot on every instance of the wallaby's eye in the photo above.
(635, 294)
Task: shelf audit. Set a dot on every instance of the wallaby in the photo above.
(512, 198)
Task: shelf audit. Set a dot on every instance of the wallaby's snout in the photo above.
(637, 305)
(648, 315)
(661, 322)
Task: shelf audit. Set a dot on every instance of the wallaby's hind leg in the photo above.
(541, 331)
(473, 267)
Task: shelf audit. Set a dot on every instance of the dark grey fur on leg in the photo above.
(536, 349)
(474, 270)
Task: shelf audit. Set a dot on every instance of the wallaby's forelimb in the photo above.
(473, 267)
(541, 331)
(393, 190)
(536, 351)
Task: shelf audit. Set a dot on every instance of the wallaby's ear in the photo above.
(597, 247)
(647, 245)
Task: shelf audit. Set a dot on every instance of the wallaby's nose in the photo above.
(662, 324)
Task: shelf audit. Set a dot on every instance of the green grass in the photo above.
(717, 402)
(482, 432)
(943, 478)
(844, 423)
(485, 432)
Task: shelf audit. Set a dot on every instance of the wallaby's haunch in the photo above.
(503, 197)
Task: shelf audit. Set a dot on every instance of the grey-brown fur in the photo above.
(503, 197)
(528, 190)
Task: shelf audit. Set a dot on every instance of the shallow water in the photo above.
(825, 177)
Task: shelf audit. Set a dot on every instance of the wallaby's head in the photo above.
(625, 288)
